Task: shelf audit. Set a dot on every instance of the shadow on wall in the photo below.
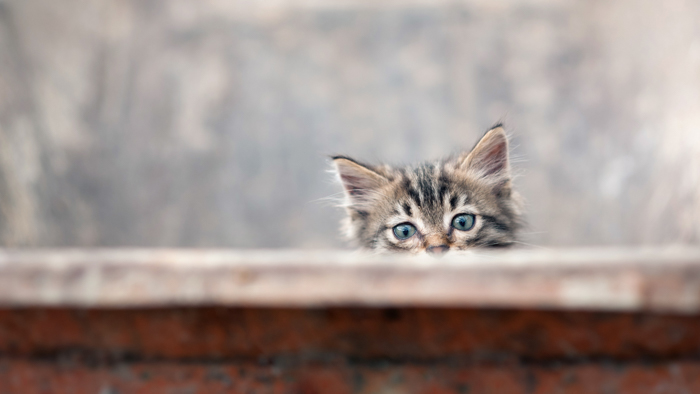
(129, 123)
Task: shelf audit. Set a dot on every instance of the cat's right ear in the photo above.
(360, 181)
(489, 158)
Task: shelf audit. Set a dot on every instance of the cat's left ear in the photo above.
(489, 158)
(361, 182)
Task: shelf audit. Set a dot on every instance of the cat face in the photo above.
(458, 203)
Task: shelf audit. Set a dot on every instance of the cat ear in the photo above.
(359, 181)
(489, 158)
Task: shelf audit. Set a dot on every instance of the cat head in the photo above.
(462, 202)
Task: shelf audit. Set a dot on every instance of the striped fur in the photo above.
(429, 196)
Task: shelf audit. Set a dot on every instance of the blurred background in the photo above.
(207, 123)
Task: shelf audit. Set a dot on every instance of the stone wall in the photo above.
(208, 123)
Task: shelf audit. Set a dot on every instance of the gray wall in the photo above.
(207, 123)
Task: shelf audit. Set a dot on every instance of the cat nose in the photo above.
(437, 250)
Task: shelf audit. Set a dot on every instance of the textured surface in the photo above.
(341, 350)
(428, 335)
(173, 378)
(207, 123)
(611, 279)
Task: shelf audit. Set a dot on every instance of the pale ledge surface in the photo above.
(657, 279)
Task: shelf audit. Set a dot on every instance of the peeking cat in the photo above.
(456, 203)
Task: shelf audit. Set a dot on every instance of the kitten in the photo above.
(456, 203)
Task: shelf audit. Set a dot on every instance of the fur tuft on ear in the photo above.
(359, 181)
(489, 158)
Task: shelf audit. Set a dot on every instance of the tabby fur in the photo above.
(429, 195)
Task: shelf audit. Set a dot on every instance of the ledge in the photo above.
(599, 279)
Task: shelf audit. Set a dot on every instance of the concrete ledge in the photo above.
(600, 279)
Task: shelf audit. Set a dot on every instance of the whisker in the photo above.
(329, 197)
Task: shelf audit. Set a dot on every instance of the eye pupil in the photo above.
(463, 222)
(404, 231)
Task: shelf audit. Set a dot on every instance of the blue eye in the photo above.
(404, 230)
(463, 222)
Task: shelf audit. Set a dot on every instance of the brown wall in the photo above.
(345, 350)
(207, 123)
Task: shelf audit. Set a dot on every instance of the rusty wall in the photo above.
(346, 350)
(207, 123)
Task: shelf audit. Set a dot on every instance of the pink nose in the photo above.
(437, 250)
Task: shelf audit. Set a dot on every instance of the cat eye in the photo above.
(404, 231)
(463, 222)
